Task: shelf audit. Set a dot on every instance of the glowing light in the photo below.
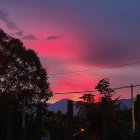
(82, 130)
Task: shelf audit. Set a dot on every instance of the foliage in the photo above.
(104, 88)
(54, 124)
(85, 104)
(100, 116)
(21, 73)
(108, 109)
(87, 98)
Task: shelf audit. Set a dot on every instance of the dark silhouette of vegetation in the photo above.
(54, 125)
(104, 120)
(89, 117)
(22, 79)
(108, 109)
(21, 73)
(85, 104)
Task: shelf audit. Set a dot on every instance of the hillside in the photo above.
(62, 105)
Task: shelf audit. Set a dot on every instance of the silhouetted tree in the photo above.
(87, 98)
(22, 78)
(89, 111)
(85, 104)
(108, 109)
(21, 73)
(104, 89)
(54, 125)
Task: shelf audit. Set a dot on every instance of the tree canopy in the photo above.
(21, 72)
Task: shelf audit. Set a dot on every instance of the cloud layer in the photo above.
(5, 17)
(53, 37)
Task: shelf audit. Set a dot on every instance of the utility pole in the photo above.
(133, 115)
(70, 120)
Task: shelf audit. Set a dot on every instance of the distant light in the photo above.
(82, 129)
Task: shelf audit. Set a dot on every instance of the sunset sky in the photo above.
(78, 35)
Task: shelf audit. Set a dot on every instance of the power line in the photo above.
(108, 67)
(125, 87)
(85, 91)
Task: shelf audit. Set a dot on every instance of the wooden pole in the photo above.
(133, 115)
(70, 120)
